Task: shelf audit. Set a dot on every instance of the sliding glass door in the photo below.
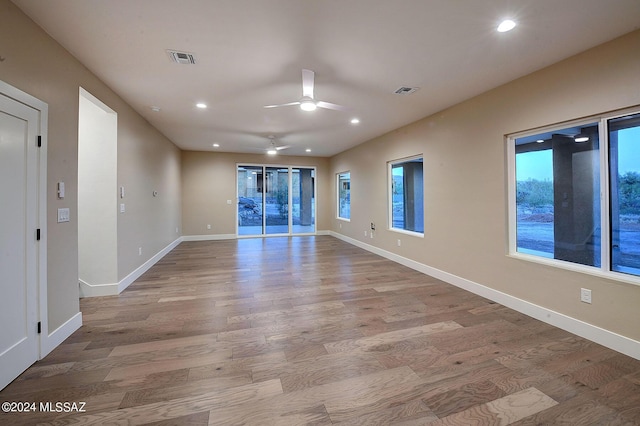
(303, 200)
(276, 200)
(250, 191)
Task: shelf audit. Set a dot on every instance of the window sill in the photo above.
(575, 267)
(404, 231)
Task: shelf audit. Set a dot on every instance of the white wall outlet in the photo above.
(177, 230)
(585, 295)
(229, 202)
(208, 226)
(122, 208)
(139, 251)
(365, 233)
(340, 225)
(399, 242)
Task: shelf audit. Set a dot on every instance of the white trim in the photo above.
(215, 237)
(211, 237)
(43, 130)
(51, 341)
(591, 332)
(95, 290)
(113, 289)
(129, 279)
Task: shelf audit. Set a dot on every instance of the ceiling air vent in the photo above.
(406, 90)
(183, 58)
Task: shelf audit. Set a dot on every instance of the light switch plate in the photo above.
(63, 215)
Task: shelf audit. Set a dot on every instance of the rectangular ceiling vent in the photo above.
(183, 58)
(406, 90)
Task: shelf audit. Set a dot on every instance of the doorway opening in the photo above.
(97, 196)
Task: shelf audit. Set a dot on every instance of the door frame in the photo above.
(44, 345)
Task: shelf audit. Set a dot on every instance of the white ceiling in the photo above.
(250, 53)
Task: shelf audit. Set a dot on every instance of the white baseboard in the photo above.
(50, 341)
(211, 237)
(591, 332)
(129, 279)
(95, 290)
(113, 289)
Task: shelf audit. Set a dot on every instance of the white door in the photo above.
(18, 243)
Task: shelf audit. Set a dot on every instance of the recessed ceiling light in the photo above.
(581, 138)
(540, 140)
(506, 25)
(355, 121)
(201, 105)
(155, 108)
(272, 152)
(308, 150)
(216, 145)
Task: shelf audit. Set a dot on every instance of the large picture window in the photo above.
(558, 177)
(344, 195)
(406, 200)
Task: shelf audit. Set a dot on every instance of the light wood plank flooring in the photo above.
(311, 330)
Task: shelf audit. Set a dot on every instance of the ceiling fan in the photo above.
(273, 147)
(308, 102)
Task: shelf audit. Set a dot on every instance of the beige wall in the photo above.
(209, 180)
(147, 161)
(465, 168)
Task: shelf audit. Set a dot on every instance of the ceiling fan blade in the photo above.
(281, 105)
(329, 105)
(307, 83)
(278, 148)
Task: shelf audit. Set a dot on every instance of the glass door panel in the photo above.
(303, 210)
(250, 203)
(276, 198)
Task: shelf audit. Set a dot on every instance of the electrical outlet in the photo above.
(399, 242)
(340, 225)
(208, 226)
(585, 295)
(139, 251)
(365, 233)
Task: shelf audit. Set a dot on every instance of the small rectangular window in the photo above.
(344, 195)
(406, 184)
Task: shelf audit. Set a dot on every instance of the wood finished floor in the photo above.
(312, 330)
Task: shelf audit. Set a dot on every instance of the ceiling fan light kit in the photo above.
(308, 102)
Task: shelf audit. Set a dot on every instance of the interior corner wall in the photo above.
(147, 161)
(465, 175)
(209, 180)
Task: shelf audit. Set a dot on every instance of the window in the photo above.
(558, 176)
(406, 190)
(344, 195)
(558, 194)
(624, 172)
